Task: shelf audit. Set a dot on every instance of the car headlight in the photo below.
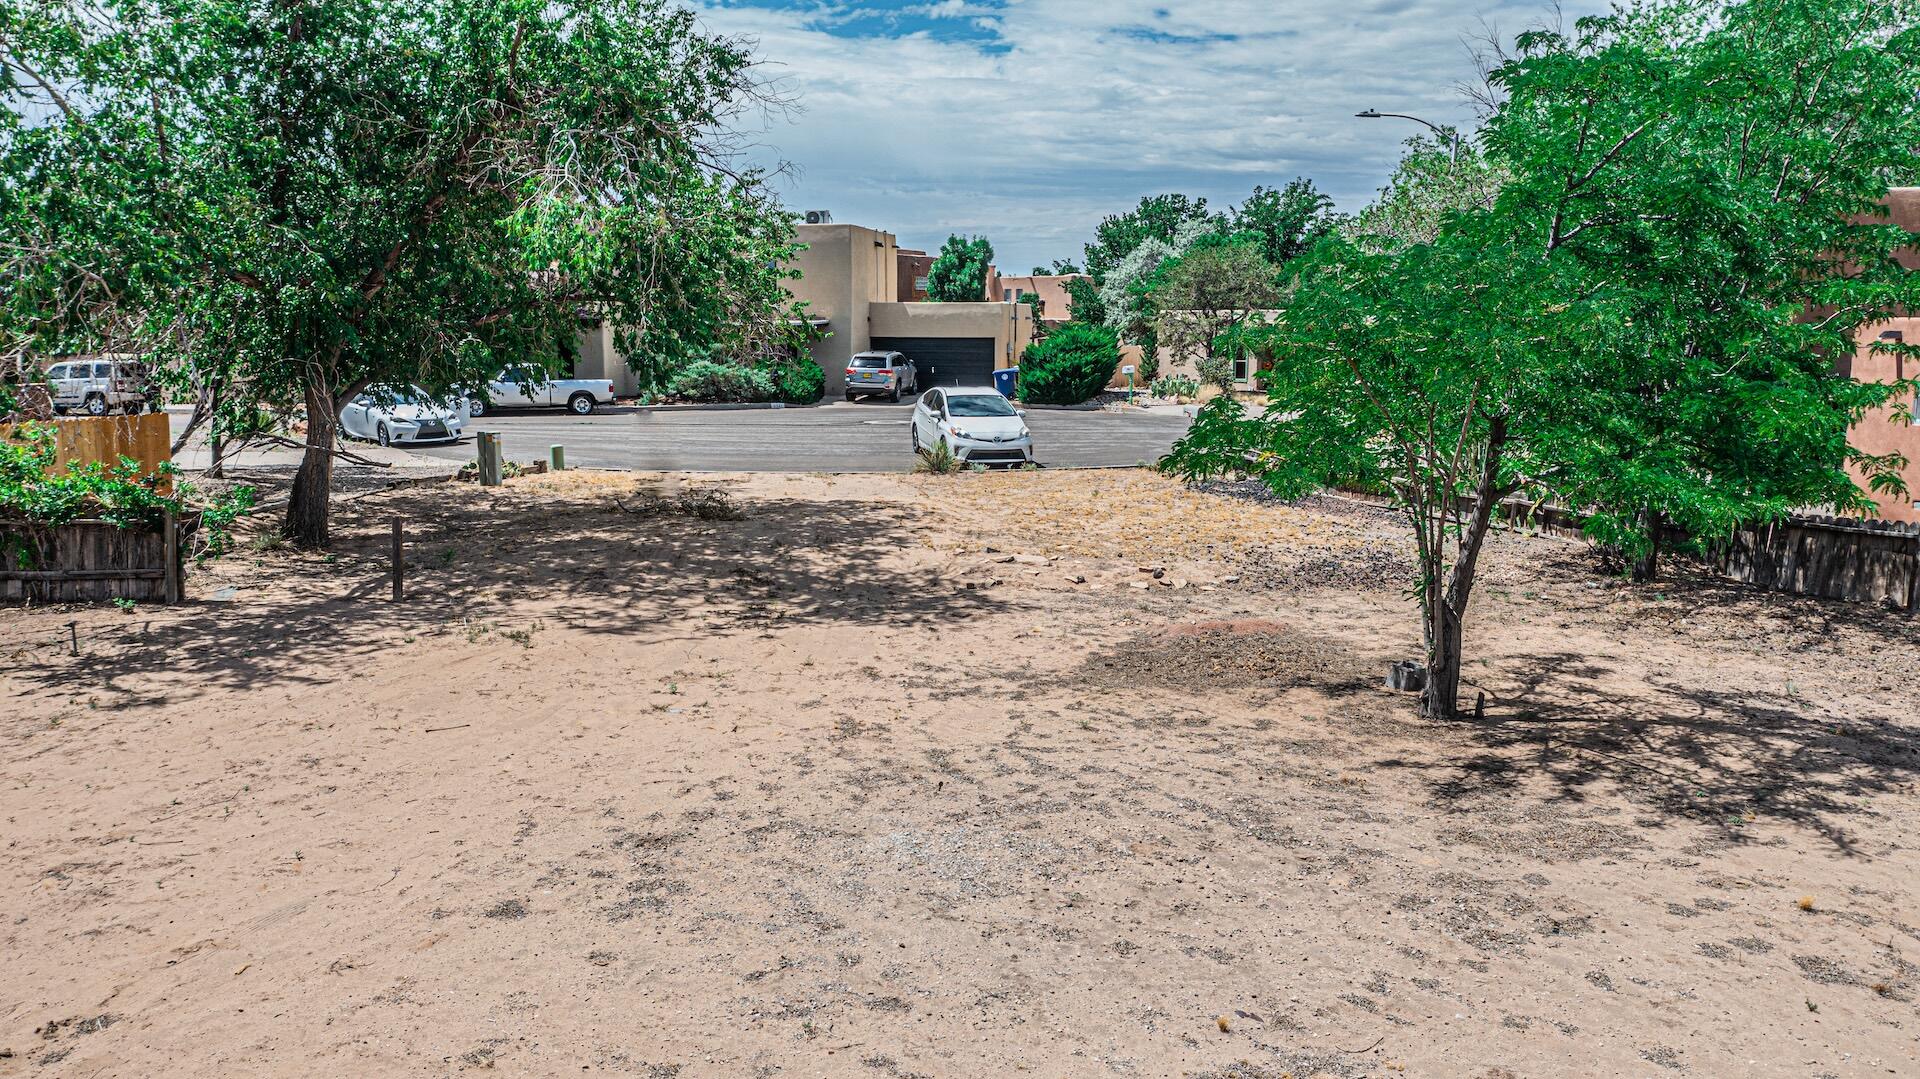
(958, 431)
(1024, 433)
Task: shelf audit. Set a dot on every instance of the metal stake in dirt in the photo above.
(399, 559)
(557, 455)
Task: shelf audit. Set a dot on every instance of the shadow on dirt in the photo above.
(1723, 756)
(616, 563)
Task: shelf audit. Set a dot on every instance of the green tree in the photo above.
(1072, 364)
(1204, 296)
(1645, 317)
(1060, 268)
(299, 200)
(959, 272)
(1287, 220)
(1083, 300)
(1157, 217)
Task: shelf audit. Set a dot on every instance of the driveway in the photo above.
(837, 437)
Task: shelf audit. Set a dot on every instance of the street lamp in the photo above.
(1452, 136)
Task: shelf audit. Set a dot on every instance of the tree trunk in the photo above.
(1647, 566)
(309, 502)
(1441, 698)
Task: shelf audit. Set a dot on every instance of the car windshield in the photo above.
(982, 404)
(869, 361)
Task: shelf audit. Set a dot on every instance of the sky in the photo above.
(1026, 121)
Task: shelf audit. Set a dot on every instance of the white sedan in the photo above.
(390, 414)
(977, 424)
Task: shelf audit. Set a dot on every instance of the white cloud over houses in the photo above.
(1028, 120)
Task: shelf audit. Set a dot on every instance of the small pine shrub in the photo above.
(1069, 365)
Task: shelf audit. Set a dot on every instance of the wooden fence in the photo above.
(80, 441)
(90, 561)
(1859, 561)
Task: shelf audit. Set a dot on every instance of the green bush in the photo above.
(1069, 365)
(939, 460)
(797, 380)
(711, 380)
(31, 490)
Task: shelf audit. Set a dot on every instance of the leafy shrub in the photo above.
(1174, 386)
(1070, 365)
(797, 380)
(1217, 371)
(120, 493)
(710, 380)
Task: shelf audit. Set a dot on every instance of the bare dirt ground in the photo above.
(923, 776)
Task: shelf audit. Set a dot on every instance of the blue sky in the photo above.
(1028, 120)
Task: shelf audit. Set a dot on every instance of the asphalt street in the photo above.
(836, 437)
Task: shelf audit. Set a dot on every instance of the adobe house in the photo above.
(1056, 306)
(1877, 432)
(850, 282)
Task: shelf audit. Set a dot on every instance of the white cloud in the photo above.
(1094, 103)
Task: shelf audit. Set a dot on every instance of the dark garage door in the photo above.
(945, 361)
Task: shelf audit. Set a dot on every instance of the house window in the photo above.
(1240, 366)
(919, 284)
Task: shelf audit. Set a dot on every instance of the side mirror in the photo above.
(1020, 412)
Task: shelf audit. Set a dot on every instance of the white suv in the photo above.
(98, 386)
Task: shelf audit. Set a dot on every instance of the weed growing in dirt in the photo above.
(938, 461)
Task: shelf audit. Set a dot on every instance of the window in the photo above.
(56, 372)
(1240, 368)
(868, 363)
(919, 284)
(981, 404)
(103, 370)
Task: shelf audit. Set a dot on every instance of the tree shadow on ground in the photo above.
(1721, 755)
(606, 564)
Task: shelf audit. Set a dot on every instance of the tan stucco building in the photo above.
(850, 282)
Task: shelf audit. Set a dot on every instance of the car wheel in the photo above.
(849, 396)
(895, 395)
(382, 435)
(913, 435)
(580, 404)
(96, 405)
(476, 407)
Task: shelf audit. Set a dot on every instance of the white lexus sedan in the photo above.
(390, 414)
(977, 424)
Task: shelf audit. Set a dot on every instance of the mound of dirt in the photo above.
(1205, 655)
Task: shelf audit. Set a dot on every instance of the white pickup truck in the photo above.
(530, 387)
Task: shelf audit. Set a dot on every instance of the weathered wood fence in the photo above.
(90, 561)
(1859, 561)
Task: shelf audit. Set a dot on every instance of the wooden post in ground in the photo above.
(489, 445)
(399, 559)
(171, 543)
(557, 456)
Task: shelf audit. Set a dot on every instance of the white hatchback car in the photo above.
(390, 414)
(977, 424)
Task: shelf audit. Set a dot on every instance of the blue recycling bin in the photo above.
(1003, 380)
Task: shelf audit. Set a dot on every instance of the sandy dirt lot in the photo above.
(924, 776)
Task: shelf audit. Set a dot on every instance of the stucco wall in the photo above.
(1876, 432)
(843, 271)
(1055, 304)
(1009, 324)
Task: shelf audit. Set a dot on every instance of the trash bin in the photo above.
(1003, 380)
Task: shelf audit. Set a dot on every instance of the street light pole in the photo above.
(1452, 137)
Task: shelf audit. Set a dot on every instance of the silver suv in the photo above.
(890, 373)
(99, 385)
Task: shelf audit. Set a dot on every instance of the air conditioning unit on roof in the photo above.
(819, 217)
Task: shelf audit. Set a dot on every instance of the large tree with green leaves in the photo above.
(298, 199)
(1204, 296)
(1286, 220)
(1644, 318)
(1157, 217)
(959, 271)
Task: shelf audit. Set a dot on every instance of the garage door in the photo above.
(945, 361)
